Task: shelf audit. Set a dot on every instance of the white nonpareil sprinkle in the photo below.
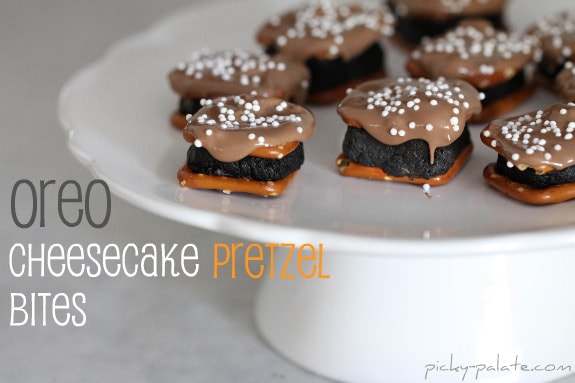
(427, 190)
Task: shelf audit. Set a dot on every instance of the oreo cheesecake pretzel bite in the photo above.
(245, 143)
(556, 33)
(496, 62)
(340, 44)
(209, 74)
(536, 155)
(420, 18)
(407, 130)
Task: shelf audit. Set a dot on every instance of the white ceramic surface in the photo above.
(467, 273)
(116, 113)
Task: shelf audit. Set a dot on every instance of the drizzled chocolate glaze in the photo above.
(542, 139)
(324, 30)
(394, 111)
(230, 128)
(447, 8)
(208, 74)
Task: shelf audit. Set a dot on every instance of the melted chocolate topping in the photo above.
(326, 30)
(477, 52)
(209, 74)
(565, 82)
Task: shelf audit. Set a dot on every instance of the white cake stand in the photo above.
(414, 319)
(417, 285)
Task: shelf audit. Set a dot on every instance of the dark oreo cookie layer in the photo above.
(504, 89)
(549, 70)
(410, 159)
(530, 178)
(328, 74)
(254, 168)
(189, 106)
